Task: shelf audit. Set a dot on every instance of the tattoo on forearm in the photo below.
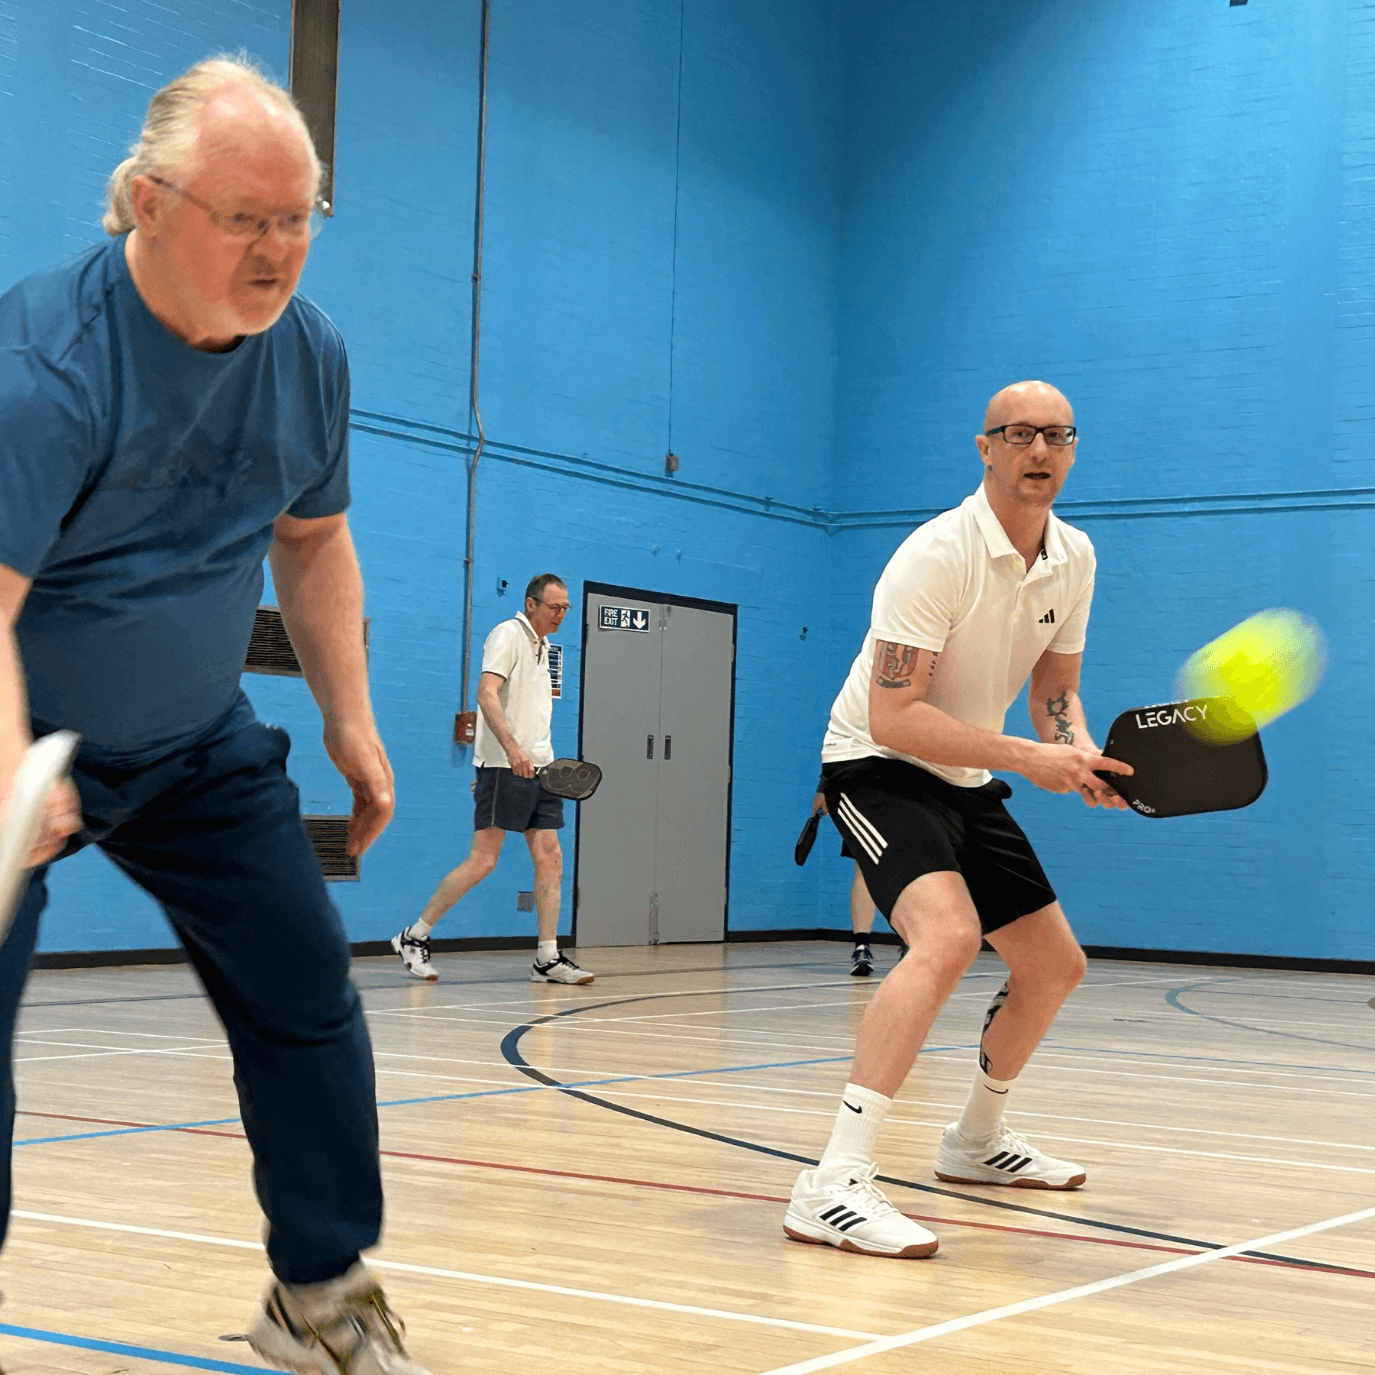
(896, 664)
(934, 657)
(1057, 708)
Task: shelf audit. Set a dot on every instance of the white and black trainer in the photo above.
(344, 1327)
(415, 954)
(1004, 1158)
(559, 971)
(848, 1211)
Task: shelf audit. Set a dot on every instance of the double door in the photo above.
(657, 701)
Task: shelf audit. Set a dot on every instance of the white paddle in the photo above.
(45, 762)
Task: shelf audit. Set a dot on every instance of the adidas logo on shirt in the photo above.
(1048, 618)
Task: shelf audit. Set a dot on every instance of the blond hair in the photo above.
(170, 127)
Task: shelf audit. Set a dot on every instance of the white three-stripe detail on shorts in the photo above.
(863, 829)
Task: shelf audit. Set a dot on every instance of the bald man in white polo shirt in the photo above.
(973, 604)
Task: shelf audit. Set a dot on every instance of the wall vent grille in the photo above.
(270, 649)
(328, 835)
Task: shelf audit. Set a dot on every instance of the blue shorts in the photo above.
(507, 800)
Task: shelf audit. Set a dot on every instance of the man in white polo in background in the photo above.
(971, 605)
(515, 700)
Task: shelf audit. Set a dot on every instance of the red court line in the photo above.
(757, 1198)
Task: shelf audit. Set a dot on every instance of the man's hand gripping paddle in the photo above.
(44, 763)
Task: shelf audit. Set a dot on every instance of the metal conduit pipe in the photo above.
(465, 725)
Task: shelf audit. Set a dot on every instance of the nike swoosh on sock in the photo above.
(852, 1107)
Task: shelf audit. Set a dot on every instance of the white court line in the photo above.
(936, 1057)
(575, 1001)
(500, 1281)
(1082, 1291)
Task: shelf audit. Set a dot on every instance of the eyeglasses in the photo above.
(558, 608)
(1057, 436)
(243, 227)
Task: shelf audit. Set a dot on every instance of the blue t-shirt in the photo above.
(139, 480)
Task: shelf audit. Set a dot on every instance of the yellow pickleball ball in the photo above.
(1266, 665)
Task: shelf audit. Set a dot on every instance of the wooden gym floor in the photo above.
(592, 1179)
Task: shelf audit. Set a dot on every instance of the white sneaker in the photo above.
(850, 1211)
(559, 971)
(1005, 1158)
(415, 954)
(343, 1327)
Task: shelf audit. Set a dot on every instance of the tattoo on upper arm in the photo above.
(896, 663)
(1057, 708)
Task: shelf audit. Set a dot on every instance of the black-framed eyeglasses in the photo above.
(558, 608)
(1057, 436)
(243, 227)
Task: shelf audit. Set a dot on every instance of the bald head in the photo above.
(1023, 399)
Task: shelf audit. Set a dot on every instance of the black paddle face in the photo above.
(807, 839)
(1177, 773)
(571, 778)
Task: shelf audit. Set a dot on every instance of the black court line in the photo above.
(1172, 998)
(510, 1050)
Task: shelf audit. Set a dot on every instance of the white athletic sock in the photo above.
(420, 930)
(983, 1114)
(547, 952)
(858, 1118)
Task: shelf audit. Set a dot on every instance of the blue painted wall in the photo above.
(800, 243)
(660, 271)
(1164, 210)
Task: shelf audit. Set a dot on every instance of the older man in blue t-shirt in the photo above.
(170, 411)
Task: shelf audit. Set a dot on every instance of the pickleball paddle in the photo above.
(571, 778)
(44, 762)
(1179, 772)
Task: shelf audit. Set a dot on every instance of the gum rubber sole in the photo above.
(917, 1252)
(1071, 1183)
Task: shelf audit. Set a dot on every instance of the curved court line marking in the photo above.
(499, 1281)
(142, 1353)
(1118, 1145)
(510, 1050)
(1081, 1291)
(1173, 999)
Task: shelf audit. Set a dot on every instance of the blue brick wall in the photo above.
(659, 271)
(800, 243)
(1166, 211)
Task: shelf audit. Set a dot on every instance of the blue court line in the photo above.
(456, 1097)
(126, 1131)
(143, 1353)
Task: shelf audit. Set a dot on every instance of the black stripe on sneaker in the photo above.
(841, 1217)
(996, 1162)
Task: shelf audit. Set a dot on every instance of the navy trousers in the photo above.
(214, 834)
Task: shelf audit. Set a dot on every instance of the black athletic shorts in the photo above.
(505, 799)
(900, 822)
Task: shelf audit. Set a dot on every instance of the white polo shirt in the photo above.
(527, 697)
(957, 586)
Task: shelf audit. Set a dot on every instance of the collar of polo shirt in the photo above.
(995, 537)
